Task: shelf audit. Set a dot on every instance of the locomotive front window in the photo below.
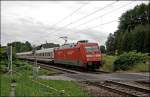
(91, 48)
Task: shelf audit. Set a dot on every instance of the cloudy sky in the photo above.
(41, 21)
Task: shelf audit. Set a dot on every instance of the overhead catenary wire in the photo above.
(100, 9)
(76, 10)
(91, 13)
(103, 24)
(93, 19)
(109, 22)
(66, 17)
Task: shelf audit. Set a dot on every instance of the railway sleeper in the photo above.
(118, 91)
(130, 86)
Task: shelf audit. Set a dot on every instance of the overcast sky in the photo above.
(41, 21)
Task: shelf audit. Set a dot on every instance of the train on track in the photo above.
(80, 54)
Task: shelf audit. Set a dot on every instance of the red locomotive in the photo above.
(82, 54)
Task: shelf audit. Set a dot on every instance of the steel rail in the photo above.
(144, 82)
(109, 88)
(57, 68)
(130, 86)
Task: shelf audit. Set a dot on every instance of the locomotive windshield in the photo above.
(91, 48)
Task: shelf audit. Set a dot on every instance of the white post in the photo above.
(35, 67)
(11, 60)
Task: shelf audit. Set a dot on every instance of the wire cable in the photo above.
(91, 14)
(70, 14)
(88, 15)
(103, 24)
(91, 20)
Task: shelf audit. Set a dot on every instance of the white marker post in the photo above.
(35, 67)
(11, 68)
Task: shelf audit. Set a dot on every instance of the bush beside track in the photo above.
(131, 61)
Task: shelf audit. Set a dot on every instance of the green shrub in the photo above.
(107, 63)
(26, 67)
(19, 63)
(140, 67)
(129, 60)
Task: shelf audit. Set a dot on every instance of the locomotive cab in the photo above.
(90, 54)
(93, 56)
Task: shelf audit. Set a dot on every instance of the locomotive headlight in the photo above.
(97, 55)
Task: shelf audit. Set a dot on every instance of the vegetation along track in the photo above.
(62, 70)
(122, 89)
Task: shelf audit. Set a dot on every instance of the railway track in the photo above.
(62, 70)
(122, 89)
(72, 70)
(144, 82)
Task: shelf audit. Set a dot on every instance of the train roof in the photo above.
(24, 53)
(45, 50)
(37, 51)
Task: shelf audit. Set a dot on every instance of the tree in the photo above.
(28, 46)
(110, 44)
(141, 37)
(133, 32)
(20, 47)
(102, 49)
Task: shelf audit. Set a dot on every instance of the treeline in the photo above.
(133, 32)
(47, 45)
(20, 46)
(24, 47)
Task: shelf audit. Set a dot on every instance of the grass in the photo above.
(69, 87)
(5, 85)
(26, 87)
(108, 63)
(140, 68)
